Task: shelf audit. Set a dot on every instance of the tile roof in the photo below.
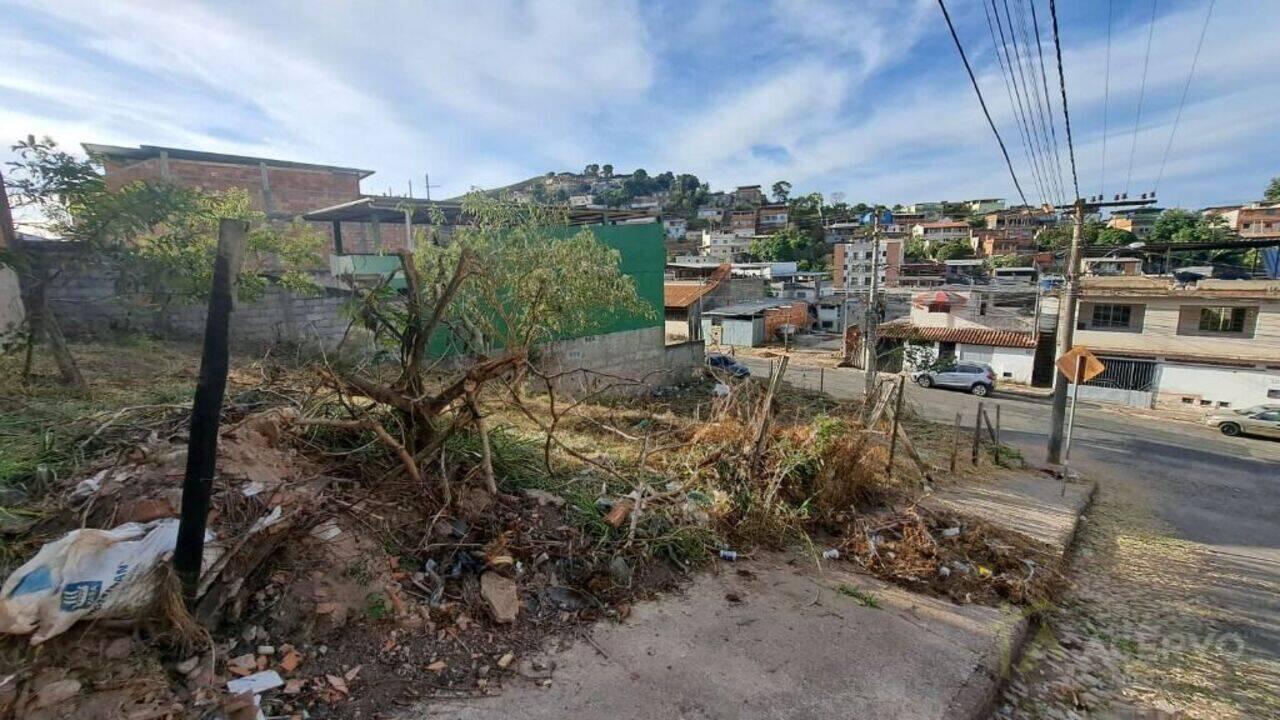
(968, 336)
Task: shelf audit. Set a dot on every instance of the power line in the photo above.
(1187, 86)
(1062, 85)
(1005, 74)
(1055, 169)
(1137, 119)
(974, 81)
(1044, 80)
(1023, 107)
(1106, 100)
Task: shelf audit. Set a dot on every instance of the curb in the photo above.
(982, 691)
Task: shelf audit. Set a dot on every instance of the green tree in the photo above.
(508, 280)
(954, 250)
(538, 192)
(781, 191)
(161, 236)
(606, 171)
(1272, 193)
(591, 170)
(1114, 237)
(916, 251)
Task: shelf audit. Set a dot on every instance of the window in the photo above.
(1223, 319)
(1272, 416)
(1111, 316)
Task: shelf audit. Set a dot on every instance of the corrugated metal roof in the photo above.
(968, 336)
(682, 295)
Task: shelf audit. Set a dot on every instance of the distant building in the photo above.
(966, 272)
(581, 201)
(852, 263)
(1251, 220)
(772, 218)
(1112, 266)
(842, 232)
(743, 222)
(725, 247)
(748, 195)
(644, 202)
(940, 232)
(675, 227)
(1140, 222)
(711, 214)
(929, 210)
(983, 206)
(988, 243)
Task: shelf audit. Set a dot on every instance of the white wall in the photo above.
(1240, 387)
(1016, 362)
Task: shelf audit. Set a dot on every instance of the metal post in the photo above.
(997, 424)
(869, 350)
(1066, 333)
(822, 380)
(206, 409)
(1071, 418)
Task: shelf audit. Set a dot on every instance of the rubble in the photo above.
(501, 595)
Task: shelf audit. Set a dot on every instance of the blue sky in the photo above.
(865, 98)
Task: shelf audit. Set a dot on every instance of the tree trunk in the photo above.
(43, 324)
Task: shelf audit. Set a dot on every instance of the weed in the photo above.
(862, 597)
(375, 606)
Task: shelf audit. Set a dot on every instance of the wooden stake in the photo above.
(977, 434)
(206, 410)
(893, 432)
(997, 424)
(955, 441)
(766, 408)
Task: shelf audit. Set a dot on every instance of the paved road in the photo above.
(1218, 492)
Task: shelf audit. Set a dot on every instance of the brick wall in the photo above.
(796, 313)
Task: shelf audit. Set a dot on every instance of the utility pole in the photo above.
(869, 315)
(1068, 300)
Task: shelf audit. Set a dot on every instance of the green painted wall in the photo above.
(643, 257)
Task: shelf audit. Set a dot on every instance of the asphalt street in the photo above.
(1220, 492)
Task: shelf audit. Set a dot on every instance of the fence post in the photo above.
(893, 430)
(977, 433)
(997, 424)
(822, 380)
(955, 441)
(206, 409)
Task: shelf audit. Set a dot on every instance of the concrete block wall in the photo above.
(639, 355)
(86, 300)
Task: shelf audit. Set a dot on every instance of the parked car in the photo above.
(728, 364)
(1261, 420)
(977, 378)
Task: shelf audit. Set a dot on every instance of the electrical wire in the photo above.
(1035, 103)
(1062, 85)
(1142, 89)
(1106, 100)
(1006, 72)
(1044, 80)
(1023, 106)
(1187, 86)
(974, 81)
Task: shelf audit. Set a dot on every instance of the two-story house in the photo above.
(1215, 343)
(675, 227)
(748, 195)
(772, 218)
(940, 232)
(1139, 221)
(743, 222)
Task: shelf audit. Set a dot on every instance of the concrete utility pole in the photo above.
(1068, 300)
(869, 315)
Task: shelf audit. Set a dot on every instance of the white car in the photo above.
(1261, 420)
(977, 378)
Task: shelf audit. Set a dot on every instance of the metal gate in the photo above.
(1120, 374)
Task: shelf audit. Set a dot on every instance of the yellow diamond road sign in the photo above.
(1079, 361)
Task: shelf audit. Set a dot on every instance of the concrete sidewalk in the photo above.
(774, 637)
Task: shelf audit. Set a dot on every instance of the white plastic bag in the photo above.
(85, 574)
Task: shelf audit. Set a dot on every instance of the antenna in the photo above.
(426, 181)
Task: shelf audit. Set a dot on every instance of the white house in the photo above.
(675, 227)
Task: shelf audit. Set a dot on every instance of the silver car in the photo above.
(977, 378)
(1261, 420)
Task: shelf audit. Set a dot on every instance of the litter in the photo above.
(88, 574)
(256, 683)
(326, 531)
(832, 554)
(951, 532)
(728, 555)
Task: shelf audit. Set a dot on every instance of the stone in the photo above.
(56, 693)
(505, 661)
(118, 649)
(502, 596)
(620, 570)
(186, 666)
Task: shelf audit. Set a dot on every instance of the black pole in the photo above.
(206, 410)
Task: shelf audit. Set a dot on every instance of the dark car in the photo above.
(728, 364)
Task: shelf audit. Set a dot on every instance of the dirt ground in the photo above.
(372, 591)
